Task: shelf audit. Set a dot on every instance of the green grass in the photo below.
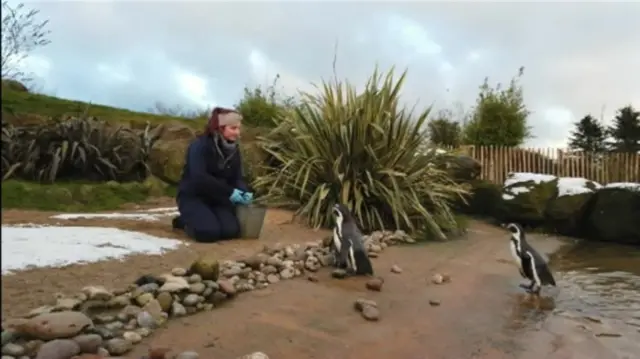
(18, 104)
(78, 196)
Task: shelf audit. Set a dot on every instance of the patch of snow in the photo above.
(517, 177)
(568, 186)
(24, 247)
(507, 196)
(624, 185)
(150, 215)
(518, 190)
(134, 216)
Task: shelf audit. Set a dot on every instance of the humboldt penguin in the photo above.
(531, 264)
(349, 249)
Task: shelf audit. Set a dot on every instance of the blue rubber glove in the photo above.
(237, 197)
(248, 196)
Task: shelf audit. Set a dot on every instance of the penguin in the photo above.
(531, 264)
(348, 245)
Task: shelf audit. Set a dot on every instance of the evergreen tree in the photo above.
(625, 130)
(589, 136)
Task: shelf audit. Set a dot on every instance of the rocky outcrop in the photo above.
(525, 197)
(569, 206)
(613, 215)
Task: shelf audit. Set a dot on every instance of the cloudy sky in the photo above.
(579, 57)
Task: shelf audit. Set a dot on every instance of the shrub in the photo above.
(360, 149)
(76, 149)
(260, 107)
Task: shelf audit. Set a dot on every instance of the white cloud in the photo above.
(448, 48)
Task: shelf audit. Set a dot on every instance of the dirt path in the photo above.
(482, 314)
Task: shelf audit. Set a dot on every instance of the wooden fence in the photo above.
(497, 162)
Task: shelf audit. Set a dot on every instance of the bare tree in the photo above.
(22, 32)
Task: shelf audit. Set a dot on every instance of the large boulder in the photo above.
(484, 199)
(564, 214)
(526, 196)
(613, 214)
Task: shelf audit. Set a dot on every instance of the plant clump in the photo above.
(83, 148)
(361, 149)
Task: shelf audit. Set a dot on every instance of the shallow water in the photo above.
(600, 279)
(596, 304)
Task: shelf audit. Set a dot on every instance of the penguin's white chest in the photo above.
(514, 254)
(336, 240)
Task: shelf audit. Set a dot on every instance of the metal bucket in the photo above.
(251, 220)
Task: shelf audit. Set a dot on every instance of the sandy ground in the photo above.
(482, 312)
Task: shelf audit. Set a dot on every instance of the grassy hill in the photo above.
(19, 107)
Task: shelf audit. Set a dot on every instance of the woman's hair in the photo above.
(213, 125)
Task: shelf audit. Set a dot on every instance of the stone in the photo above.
(434, 302)
(370, 313)
(133, 337)
(191, 300)
(226, 287)
(255, 355)
(158, 353)
(179, 272)
(146, 320)
(287, 273)
(254, 262)
(374, 284)
(89, 343)
(154, 308)
(312, 278)
(144, 298)
(207, 267)
(13, 350)
(187, 355)
(58, 349)
(273, 278)
(197, 288)
(439, 278)
(32, 346)
(97, 293)
(174, 284)
(63, 304)
(118, 346)
(396, 269)
(8, 336)
(54, 325)
(165, 299)
(339, 273)
(360, 303)
(178, 310)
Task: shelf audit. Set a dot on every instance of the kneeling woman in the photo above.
(212, 184)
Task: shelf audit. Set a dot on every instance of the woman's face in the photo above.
(231, 132)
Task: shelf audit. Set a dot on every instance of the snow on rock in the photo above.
(625, 185)
(25, 247)
(520, 177)
(568, 186)
(150, 215)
